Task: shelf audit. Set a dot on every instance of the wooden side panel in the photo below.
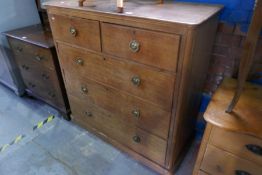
(155, 49)
(193, 72)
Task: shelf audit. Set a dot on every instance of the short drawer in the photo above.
(43, 83)
(127, 108)
(156, 87)
(148, 47)
(150, 146)
(81, 32)
(219, 162)
(245, 146)
(202, 173)
(25, 52)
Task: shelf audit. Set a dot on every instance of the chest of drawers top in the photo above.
(185, 14)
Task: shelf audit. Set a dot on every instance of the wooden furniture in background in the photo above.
(232, 143)
(135, 78)
(248, 53)
(35, 55)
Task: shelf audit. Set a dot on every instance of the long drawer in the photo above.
(245, 146)
(125, 107)
(219, 162)
(31, 53)
(148, 47)
(106, 123)
(148, 84)
(81, 32)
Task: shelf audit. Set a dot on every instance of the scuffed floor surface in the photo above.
(60, 147)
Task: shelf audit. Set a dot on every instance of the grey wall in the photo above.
(14, 14)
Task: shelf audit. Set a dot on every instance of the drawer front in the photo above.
(81, 32)
(42, 82)
(132, 78)
(151, 48)
(242, 145)
(129, 109)
(105, 122)
(219, 162)
(25, 52)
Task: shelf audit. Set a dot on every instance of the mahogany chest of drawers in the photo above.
(232, 143)
(135, 79)
(36, 58)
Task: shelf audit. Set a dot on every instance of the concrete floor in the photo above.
(60, 147)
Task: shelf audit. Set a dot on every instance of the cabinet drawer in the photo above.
(25, 52)
(219, 162)
(105, 122)
(43, 83)
(245, 146)
(202, 173)
(127, 108)
(151, 48)
(81, 32)
(154, 86)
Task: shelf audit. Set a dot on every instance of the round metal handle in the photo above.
(256, 149)
(136, 113)
(45, 76)
(136, 139)
(89, 114)
(79, 61)
(136, 80)
(134, 46)
(73, 31)
(240, 172)
(19, 49)
(25, 67)
(84, 89)
(38, 58)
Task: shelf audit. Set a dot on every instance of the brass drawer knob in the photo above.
(73, 31)
(84, 89)
(136, 80)
(88, 114)
(46, 77)
(136, 139)
(19, 49)
(38, 58)
(51, 94)
(256, 149)
(31, 85)
(25, 67)
(136, 113)
(134, 46)
(79, 61)
(241, 172)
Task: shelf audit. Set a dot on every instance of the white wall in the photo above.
(14, 14)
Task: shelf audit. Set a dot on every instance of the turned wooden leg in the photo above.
(81, 3)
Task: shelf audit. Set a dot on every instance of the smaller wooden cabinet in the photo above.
(36, 58)
(232, 144)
